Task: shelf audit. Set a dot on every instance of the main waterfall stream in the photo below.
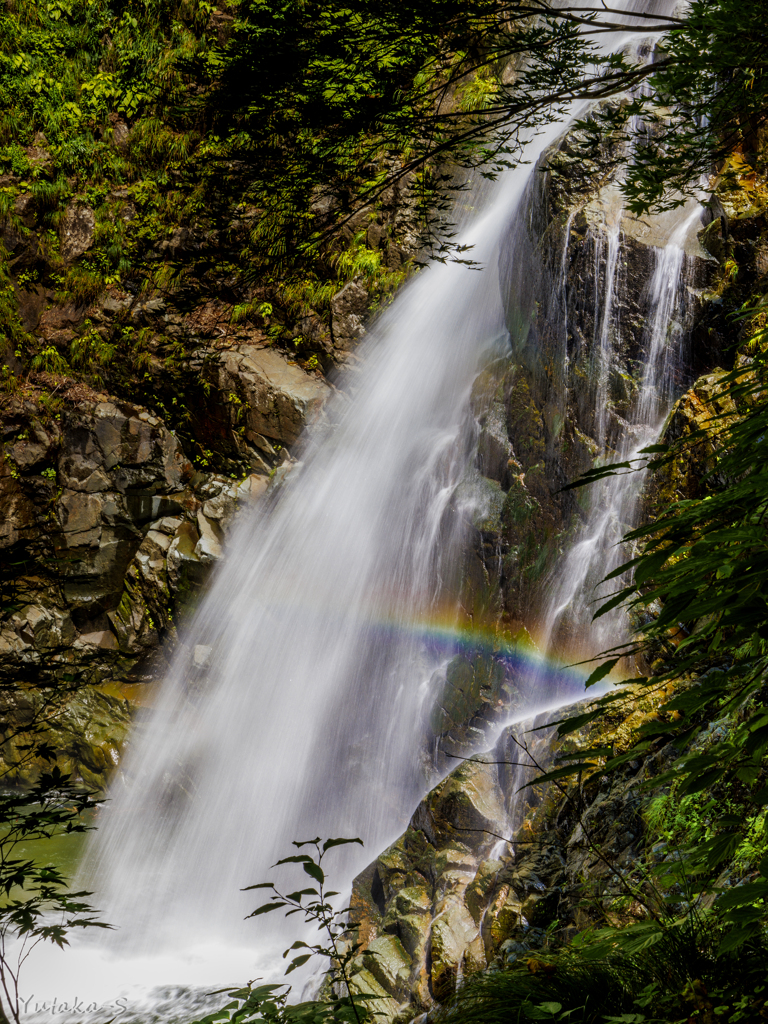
(295, 706)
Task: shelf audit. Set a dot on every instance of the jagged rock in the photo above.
(252, 487)
(348, 309)
(453, 933)
(416, 888)
(174, 247)
(486, 507)
(113, 532)
(121, 135)
(540, 423)
(469, 908)
(310, 328)
(24, 208)
(495, 455)
(707, 407)
(78, 228)
(208, 548)
(469, 800)
(471, 694)
(454, 856)
(278, 397)
(88, 731)
(390, 965)
(504, 915)
(366, 984)
(113, 303)
(409, 916)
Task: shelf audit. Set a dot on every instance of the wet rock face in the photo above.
(107, 536)
(519, 514)
(577, 275)
(472, 693)
(483, 871)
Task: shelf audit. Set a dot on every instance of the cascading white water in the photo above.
(306, 715)
(614, 502)
(307, 718)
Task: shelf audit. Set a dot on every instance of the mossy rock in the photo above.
(390, 964)
(471, 684)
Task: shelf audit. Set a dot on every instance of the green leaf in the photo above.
(329, 843)
(570, 725)
(559, 773)
(315, 871)
(737, 937)
(743, 895)
(602, 671)
(614, 602)
(267, 908)
(297, 962)
(300, 893)
(699, 781)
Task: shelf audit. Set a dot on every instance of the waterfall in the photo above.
(296, 704)
(307, 716)
(614, 503)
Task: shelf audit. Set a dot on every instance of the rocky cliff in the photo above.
(109, 532)
(487, 871)
(139, 411)
(577, 275)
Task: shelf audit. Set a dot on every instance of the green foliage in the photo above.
(92, 348)
(88, 91)
(281, 129)
(58, 77)
(682, 822)
(49, 360)
(36, 903)
(644, 974)
(713, 90)
(700, 590)
(269, 1003)
(313, 99)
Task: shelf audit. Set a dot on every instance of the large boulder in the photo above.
(277, 397)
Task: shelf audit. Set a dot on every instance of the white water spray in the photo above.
(615, 502)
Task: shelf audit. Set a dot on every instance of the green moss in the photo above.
(518, 505)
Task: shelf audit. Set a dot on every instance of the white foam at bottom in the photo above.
(85, 982)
